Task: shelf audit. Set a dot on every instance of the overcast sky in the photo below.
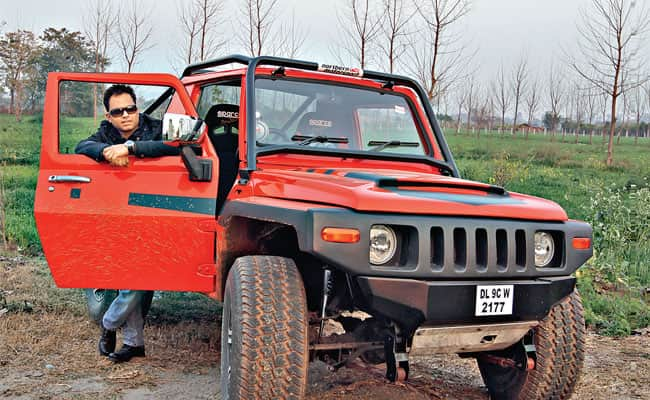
(498, 30)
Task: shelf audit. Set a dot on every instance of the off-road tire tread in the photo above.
(559, 341)
(560, 346)
(270, 355)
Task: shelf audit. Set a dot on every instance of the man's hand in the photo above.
(117, 155)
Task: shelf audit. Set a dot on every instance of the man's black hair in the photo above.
(115, 90)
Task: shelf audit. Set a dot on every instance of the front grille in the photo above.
(482, 249)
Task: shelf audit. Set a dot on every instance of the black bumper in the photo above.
(412, 303)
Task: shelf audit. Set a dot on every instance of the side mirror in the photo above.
(200, 169)
(181, 127)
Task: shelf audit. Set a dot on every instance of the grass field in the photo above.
(615, 200)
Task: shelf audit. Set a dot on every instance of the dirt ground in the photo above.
(48, 350)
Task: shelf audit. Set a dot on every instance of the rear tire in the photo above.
(264, 340)
(98, 301)
(559, 341)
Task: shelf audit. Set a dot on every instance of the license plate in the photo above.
(494, 300)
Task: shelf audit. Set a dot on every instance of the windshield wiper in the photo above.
(382, 144)
(305, 140)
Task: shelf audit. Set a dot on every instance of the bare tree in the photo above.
(260, 22)
(190, 24)
(17, 52)
(646, 88)
(396, 19)
(611, 34)
(519, 85)
(461, 99)
(578, 108)
(638, 107)
(134, 34)
(532, 103)
(472, 90)
(591, 102)
(451, 68)
(604, 102)
(291, 39)
(501, 95)
(483, 110)
(361, 28)
(201, 40)
(623, 124)
(439, 16)
(100, 23)
(555, 97)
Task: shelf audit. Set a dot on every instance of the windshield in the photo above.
(310, 114)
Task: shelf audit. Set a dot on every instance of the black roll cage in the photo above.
(253, 62)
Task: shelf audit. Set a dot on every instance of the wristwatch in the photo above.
(130, 145)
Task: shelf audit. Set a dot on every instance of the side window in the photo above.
(218, 93)
(81, 109)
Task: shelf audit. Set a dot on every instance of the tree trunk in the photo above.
(12, 101)
(612, 127)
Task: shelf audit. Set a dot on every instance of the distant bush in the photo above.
(550, 154)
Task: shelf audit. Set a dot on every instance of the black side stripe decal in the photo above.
(197, 205)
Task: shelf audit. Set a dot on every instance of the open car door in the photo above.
(146, 226)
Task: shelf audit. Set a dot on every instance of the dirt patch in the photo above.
(48, 350)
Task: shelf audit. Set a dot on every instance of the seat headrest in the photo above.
(222, 115)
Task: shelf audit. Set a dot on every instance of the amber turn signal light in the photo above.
(581, 243)
(340, 235)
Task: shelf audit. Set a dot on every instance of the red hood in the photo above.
(401, 192)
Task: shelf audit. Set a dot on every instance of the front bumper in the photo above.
(412, 303)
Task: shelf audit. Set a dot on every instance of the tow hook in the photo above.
(504, 362)
(529, 358)
(397, 361)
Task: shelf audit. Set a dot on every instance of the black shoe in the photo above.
(106, 341)
(126, 353)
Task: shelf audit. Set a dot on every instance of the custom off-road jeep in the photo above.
(310, 196)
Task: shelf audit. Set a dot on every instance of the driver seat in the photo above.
(223, 121)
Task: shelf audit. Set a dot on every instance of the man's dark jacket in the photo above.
(147, 138)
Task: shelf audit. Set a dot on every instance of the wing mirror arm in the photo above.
(200, 169)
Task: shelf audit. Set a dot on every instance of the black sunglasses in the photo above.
(117, 112)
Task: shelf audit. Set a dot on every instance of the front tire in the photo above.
(560, 342)
(264, 340)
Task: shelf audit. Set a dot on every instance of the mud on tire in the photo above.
(264, 341)
(559, 341)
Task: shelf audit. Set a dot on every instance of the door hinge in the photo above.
(208, 225)
(207, 270)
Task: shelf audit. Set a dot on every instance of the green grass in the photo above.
(613, 199)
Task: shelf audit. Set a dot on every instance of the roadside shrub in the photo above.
(507, 170)
(612, 313)
(550, 154)
(613, 279)
(620, 217)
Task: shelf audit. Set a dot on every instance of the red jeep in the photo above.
(310, 195)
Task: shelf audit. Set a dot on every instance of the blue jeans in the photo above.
(126, 312)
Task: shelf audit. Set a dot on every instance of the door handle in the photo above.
(68, 178)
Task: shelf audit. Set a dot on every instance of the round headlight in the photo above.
(544, 249)
(383, 244)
